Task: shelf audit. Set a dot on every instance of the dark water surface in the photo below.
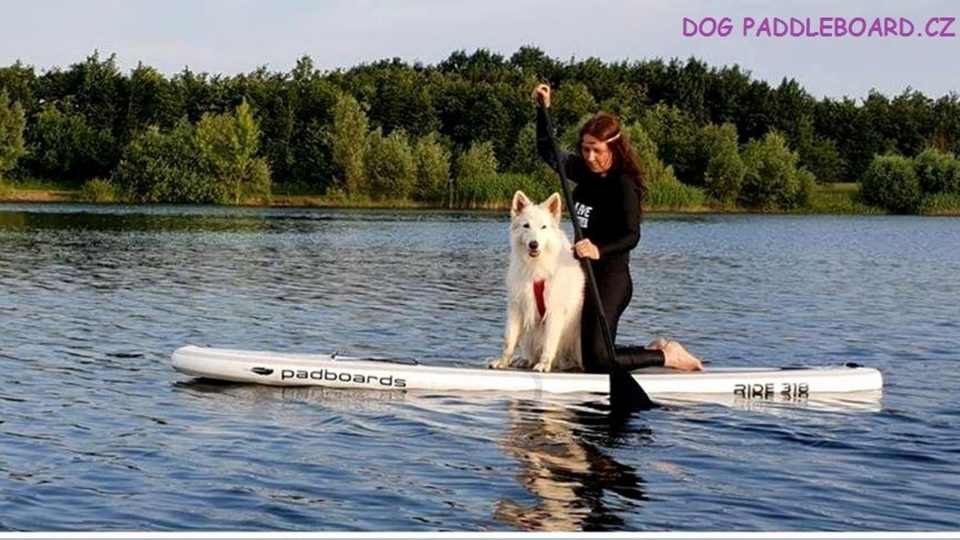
(98, 432)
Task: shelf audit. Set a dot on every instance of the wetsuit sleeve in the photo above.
(545, 147)
(631, 213)
(635, 357)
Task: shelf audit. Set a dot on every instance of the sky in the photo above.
(237, 36)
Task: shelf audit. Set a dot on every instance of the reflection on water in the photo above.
(849, 402)
(568, 474)
(333, 398)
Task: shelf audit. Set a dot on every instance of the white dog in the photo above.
(545, 290)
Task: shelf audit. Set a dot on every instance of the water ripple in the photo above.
(98, 433)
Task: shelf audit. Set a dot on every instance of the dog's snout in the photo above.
(534, 244)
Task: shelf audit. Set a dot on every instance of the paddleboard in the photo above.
(334, 371)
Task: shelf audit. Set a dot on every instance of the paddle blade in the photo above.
(626, 395)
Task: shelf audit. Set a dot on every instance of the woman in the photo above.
(610, 189)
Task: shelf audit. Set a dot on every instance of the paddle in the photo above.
(626, 395)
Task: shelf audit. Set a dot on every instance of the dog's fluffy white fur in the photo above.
(541, 251)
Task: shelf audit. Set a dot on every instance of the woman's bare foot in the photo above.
(676, 357)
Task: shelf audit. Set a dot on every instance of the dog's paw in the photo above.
(499, 363)
(543, 367)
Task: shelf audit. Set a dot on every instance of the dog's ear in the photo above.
(554, 205)
(520, 201)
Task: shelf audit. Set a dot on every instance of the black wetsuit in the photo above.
(609, 213)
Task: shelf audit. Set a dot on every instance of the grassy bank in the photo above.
(944, 204)
(17, 193)
(839, 198)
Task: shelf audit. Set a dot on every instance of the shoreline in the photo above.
(73, 196)
(67, 196)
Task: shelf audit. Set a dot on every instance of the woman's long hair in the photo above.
(606, 127)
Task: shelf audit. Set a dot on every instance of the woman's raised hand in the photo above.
(541, 92)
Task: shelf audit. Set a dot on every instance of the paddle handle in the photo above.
(578, 235)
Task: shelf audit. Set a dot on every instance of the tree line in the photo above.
(460, 132)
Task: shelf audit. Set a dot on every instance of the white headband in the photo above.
(611, 139)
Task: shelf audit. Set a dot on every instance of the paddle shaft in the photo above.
(626, 394)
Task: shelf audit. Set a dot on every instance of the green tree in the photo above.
(662, 187)
(525, 158)
(724, 169)
(793, 114)
(570, 103)
(945, 133)
(390, 165)
(937, 171)
(12, 122)
(911, 122)
(823, 159)
(433, 169)
(349, 143)
(480, 66)
(276, 100)
(79, 119)
(570, 137)
(150, 101)
(401, 101)
(162, 166)
(310, 164)
(856, 130)
(725, 96)
(771, 178)
(228, 146)
(476, 180)
(691, 90)
(91, 90)
(22, 86)
(64, 146)
(96, 86)
(301, 153)
(197, 93)
(478, 161)
(473, 111)
(627, 101)
(645, 150)
(533, 62)
(891, 182)
(675, 133)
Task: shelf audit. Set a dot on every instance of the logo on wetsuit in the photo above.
(583, 214)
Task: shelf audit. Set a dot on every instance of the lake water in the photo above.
(97, 432)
